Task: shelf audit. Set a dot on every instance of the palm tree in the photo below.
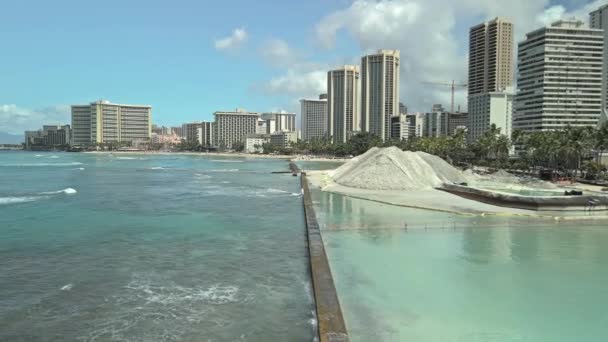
(600, 138)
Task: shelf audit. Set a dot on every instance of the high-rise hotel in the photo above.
(490, 77)
(379, 92)
(559, 79)
(233, 127)
(313, 116)
(343, 102)
(598, 19)
(105, 122)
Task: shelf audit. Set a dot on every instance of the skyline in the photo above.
(196, 62)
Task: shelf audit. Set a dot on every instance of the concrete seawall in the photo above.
(329, 314)
(549, 203)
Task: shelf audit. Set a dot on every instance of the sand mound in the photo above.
(393, 169)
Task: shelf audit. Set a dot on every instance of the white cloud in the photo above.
(425, 31)
(300, 80)
(15, 119)
(557, 12)
(232, 42)
(431, 35)
(278, 53)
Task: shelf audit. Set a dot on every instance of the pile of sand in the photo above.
(393, 169)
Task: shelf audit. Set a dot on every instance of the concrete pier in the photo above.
(329, 314)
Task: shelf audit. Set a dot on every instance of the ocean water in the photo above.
(99, 247)
(451, 278)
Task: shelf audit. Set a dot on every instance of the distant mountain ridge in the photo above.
(8, 138)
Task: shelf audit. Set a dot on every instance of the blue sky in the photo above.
(184, 58)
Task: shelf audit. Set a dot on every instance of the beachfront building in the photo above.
(559, 79)
(50, 136)
(343, 102)
(283, 139)
(314, 118)
(487, 109)
(379, 92)
(598, 19)
(106, 122)
(490, 77)
(490, 56)
(279, 122)
(201, 132)
(233, 127)
(254, 143)
(177, 131)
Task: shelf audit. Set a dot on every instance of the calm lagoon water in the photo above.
(151, 248)
(456, 278)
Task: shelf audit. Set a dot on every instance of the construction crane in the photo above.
(453, 85)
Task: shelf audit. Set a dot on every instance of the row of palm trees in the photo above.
(570, 150)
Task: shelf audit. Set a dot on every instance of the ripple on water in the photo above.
(173, 309)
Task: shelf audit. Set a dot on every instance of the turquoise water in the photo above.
(318, 165)
(458, 278)
(151, 248)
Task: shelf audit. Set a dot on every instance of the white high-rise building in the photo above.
(313, 118)
(379, 92)
(105, 122)
(487, 109)
(232, 127)
(559, 79)
(279, 122)
(343, 102)
(598, 19)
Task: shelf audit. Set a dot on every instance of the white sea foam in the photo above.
(67, 287)
(156, 168)
(39, 155)
(168, 293)
(31, 198)
(223, 170)
(127, 158)
(79, 168)
(226, 161)
(54, 157)
(43, 164)
(15, 200)
(67, 191)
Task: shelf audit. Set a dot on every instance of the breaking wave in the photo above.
(226, 161)
(31, 198)
(42, 164)
(67, 191)
(15, 200)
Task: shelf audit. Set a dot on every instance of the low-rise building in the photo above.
(254, 143)
(165, 139)
(283, 139)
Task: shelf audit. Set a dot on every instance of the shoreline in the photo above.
(296, 157)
